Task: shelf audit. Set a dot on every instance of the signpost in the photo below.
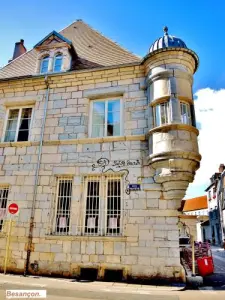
(12, 209)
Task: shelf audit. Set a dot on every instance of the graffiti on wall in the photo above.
(116, 166)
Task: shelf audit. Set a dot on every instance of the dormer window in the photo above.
(44, 64)
(55, 53)
(57, 63)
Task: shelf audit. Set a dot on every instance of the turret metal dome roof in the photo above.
(167, 41)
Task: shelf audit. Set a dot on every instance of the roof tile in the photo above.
(92, 48)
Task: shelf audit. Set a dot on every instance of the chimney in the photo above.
(19, 49)
(221, 168)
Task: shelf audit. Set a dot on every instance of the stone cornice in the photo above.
(176, 154)
(167, 97)
(76, 141)
(168, 127)
(188, 51)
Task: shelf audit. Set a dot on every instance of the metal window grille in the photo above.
(63, 210)
(4, 192)
(103, 205)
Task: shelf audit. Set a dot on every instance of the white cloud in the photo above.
(210, 114)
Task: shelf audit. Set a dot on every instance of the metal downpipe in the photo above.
(30, 236)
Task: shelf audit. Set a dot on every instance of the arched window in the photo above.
(57, 63)
(44, 64)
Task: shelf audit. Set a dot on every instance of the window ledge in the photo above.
(167, 127)
(85, 238)
(97, 140)
(18, 144)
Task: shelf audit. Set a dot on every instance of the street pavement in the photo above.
(218, 278)
(69, 289)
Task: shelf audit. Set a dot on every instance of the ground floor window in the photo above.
(102, 202)
(4, 192)
(63, 205)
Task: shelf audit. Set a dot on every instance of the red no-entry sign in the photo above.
(13, 208)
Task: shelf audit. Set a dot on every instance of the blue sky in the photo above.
(133, 24)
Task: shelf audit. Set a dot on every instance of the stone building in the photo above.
(98, 148)
(216, 204)
(196, 214)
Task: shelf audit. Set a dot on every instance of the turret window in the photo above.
(161, 113)
(185, 113)
(57, 63)
(44, 65)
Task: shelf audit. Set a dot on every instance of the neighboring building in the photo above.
(98, 149)
(198, 207)
(221, 202)
(216, 206)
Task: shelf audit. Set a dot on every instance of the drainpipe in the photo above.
(30, 236)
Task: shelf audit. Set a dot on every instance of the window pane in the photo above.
(113, 118)
(185, 113)
(161, 114)
(11, 125)
(98, 130)
(113, 129)
(24, 126)
(164, 116)
(99, 108)
(113, 207)
(44, 65)
(92, 207)
(114, 106)
(26, 113)
(63, 206)
(13, 114)
(57, 63)
(157, 115)
(98, 119)
(10, 136)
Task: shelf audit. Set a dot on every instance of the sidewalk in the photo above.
(20, 282)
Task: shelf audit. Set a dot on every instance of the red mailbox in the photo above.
(205, 265)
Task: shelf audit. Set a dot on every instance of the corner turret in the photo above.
(173, 146)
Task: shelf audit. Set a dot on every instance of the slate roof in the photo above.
(195, 204)
(93, 49)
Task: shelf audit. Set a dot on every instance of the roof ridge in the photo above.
(98, 32)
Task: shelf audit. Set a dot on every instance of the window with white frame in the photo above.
(106, 118)
(185, 113)
(103, 206)
(4, 192)
(161, 113)
(63, 205)
(57, 63)
(44, 64)
(18, 124)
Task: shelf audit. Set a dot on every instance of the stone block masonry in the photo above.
(146, 243)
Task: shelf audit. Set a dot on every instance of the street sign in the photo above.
(134, 187)
(13, 208)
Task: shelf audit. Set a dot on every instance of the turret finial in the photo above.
(165, 29)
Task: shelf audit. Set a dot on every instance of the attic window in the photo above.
(57, 63)
(44, 65)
